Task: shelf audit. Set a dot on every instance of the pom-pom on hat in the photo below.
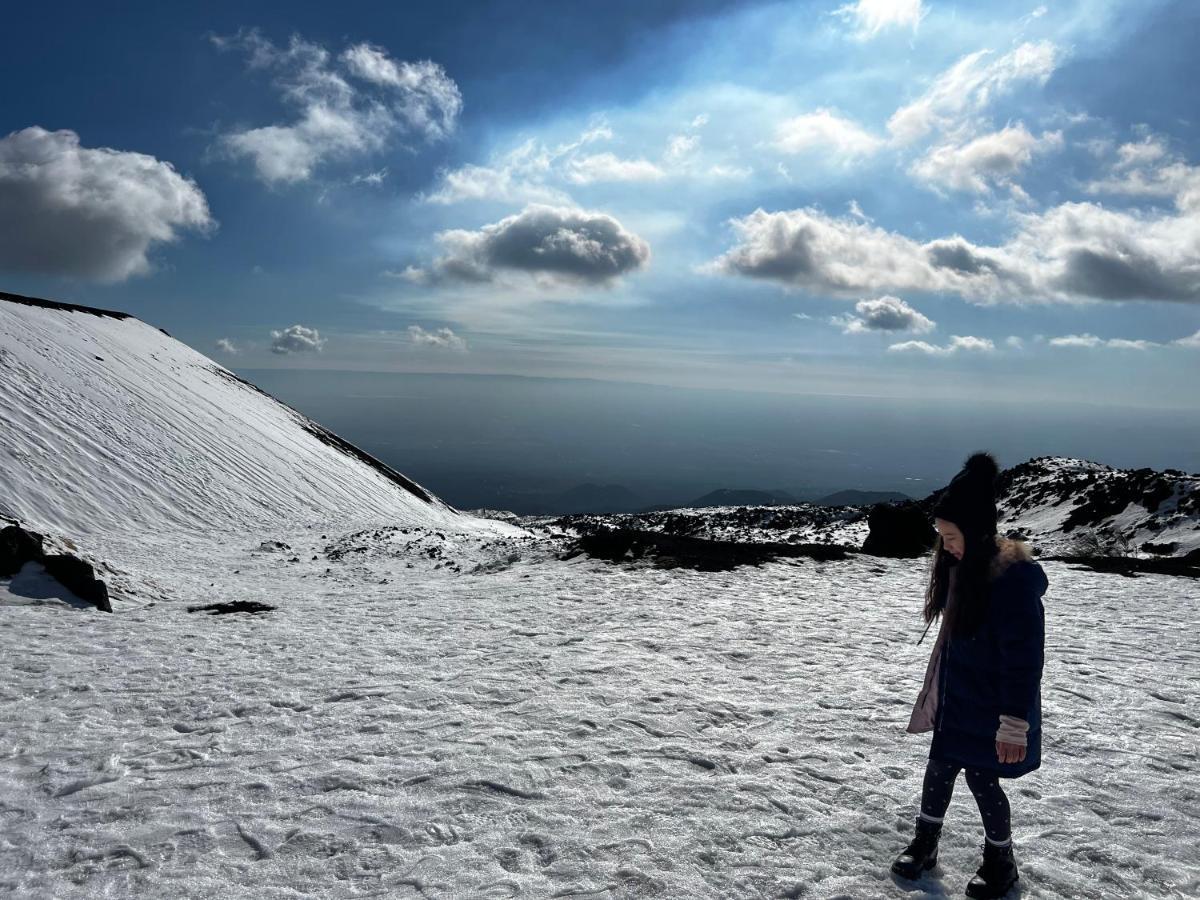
(969, 500)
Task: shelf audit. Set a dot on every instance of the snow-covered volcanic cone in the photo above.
(114, 435)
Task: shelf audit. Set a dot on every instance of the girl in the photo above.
(982, 692)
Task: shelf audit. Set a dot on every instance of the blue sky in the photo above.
(892, 199)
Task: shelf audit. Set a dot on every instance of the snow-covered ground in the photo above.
(542, 728)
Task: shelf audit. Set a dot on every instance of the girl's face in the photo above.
(952, 538)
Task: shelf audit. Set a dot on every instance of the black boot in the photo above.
(997, 874)
(921, 853)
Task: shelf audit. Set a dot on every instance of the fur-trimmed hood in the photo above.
(1009, 551)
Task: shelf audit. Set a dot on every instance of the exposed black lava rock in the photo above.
(234, 606)
(1161, 549)
(79, 578)
(70, 307)
(671, 551)
(19, 546)
(899, 530)
(738, 521)
(1188, 565)
(1103, 499)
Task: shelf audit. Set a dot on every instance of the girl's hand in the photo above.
(1009, 753)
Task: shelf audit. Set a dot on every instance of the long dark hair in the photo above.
(972, 584)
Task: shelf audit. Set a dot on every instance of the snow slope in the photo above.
(109, 424)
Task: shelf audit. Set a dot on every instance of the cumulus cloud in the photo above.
(825, 131)
(442, 337)
(1192, 340)
(958, 343)
(1085, 250)
(88, 212)
(347, 106)
(969, 86)
(806, 248)
(225, 345)
(978, 165)
(1075, 251)
(296, 339)
(552, 243)
(869, 17)
(1147, 168)
(885, 313)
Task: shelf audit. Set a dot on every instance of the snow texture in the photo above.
(540, 728)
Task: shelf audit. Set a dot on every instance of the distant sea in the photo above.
(517, 443)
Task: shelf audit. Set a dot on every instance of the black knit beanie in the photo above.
(969, 500)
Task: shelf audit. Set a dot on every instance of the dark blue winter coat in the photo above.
(996, 670)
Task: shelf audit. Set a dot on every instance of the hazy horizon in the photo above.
(478, 440)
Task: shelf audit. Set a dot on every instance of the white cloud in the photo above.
(411, 274)
(347, 111)
(1149, 169)
(720, 170)
(89, 212)
(608, 167)
(537, 172)
(963, 343)
(506, 184)
(857, 212)
(1075, 251)
(969, 86)
(521, 175)
(371, 178)
(1090, 340)
(1015, 342)
(681, 145)
(885, 313)
(825, 131)
(225, 345)
(554, 244)
(873, 16)
(296, 339)
(442, 337)
(1192, 340)
(980, 164)
(808, 249)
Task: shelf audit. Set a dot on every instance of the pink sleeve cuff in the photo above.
(1012, 730)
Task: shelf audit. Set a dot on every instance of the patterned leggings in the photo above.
(985, 786)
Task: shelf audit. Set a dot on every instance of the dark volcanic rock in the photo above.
(70, 307)
(77, 576)
(671, 551)
(235, 606)
(17, 547)
(901, 530)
